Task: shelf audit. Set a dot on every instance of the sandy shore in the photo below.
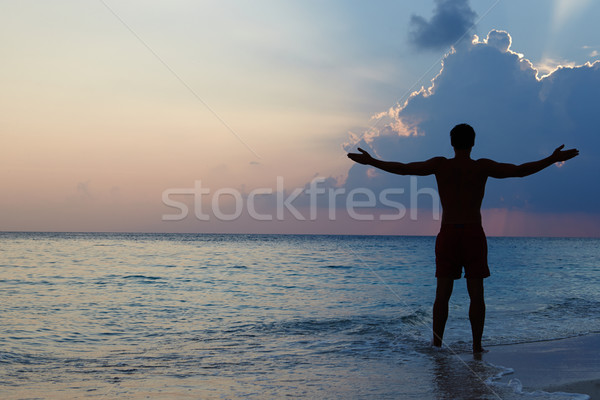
(567, 365)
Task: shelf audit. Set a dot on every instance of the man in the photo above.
(461, 241)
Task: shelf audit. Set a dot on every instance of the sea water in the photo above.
(132, 316)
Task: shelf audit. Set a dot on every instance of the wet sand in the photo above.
(569, 365)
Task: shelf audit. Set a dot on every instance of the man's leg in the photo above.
(440, 308)
(476, 311)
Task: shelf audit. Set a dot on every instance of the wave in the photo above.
(142, 277)
(501, 383)
(573, 306)
(338, 266)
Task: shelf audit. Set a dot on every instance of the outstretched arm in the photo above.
(502, 170)
(415, 168)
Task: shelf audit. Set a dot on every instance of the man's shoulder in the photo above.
(438, 159)
(488, 167)
(437, 163)
(485, 161)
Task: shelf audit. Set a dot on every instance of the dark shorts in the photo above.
(458, 246)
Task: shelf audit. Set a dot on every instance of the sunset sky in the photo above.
(106, 105)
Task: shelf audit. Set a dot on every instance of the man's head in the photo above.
(462, 137)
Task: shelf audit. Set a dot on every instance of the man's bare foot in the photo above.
(435, 346)
(479, 350)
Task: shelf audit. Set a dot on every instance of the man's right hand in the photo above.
(560, 155)
(364, 158)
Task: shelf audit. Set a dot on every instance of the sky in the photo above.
(233, 116)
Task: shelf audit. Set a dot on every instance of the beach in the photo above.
(133, 316)
(569, 365)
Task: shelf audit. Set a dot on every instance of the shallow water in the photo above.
(259, 316)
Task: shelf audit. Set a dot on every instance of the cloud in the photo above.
(593, 51)
(548, 65)
(518, 116)
(450, 21)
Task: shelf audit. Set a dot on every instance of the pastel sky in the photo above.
(108, 105)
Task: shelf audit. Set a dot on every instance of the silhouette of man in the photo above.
(461, 241)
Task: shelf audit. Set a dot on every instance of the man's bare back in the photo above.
(461, 186)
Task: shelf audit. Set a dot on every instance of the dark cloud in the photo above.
(518, 117)
(450, 21)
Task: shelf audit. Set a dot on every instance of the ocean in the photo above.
(203, 316)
